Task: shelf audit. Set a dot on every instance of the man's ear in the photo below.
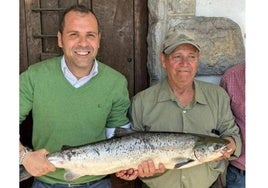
(59, 35)
(162, 57)
(99, 35)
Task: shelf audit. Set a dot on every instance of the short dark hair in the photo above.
(77, 8)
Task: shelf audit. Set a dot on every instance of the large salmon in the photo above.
(174, 150)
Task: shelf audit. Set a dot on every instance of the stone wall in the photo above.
(220, 38)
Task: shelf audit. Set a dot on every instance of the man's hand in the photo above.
(229, 150)
(37, 164)
(145, 169)
(128, 175)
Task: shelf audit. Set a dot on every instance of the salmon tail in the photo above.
(24, 175)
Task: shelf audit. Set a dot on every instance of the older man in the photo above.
(180, 103)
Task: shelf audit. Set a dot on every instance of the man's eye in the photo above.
(91, 36)
(192, 57)
(73, 34)
(177, 57)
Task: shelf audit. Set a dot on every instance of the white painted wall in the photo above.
(233, 9)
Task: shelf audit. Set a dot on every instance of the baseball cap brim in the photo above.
(174, 39)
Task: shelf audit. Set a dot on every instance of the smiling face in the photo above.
(80, 41)
(181, 65)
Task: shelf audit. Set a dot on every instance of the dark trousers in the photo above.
(235, 177)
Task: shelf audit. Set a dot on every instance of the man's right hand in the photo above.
(36, 163)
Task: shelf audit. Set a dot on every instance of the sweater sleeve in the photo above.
(26, 91)
(118, 114)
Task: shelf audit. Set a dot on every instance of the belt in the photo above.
(72, 185)
(239, 170)
(83, 184)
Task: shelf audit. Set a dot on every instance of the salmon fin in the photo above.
(70, 176)
(182, 161)
(120, 132)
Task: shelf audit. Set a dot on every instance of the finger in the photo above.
(161, 168)
(140, 170)
(39, 172)
(151, 166)
(129, 177)
(51, 168)
(133, 176)
(130, 171)
(120, 174)
(145, 167)
(227, 149)
(44, 152)
(227, 153)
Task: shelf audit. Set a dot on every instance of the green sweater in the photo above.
(65, 115)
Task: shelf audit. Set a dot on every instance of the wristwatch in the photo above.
(23, 153)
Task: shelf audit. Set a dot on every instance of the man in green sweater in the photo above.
(75, 99)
